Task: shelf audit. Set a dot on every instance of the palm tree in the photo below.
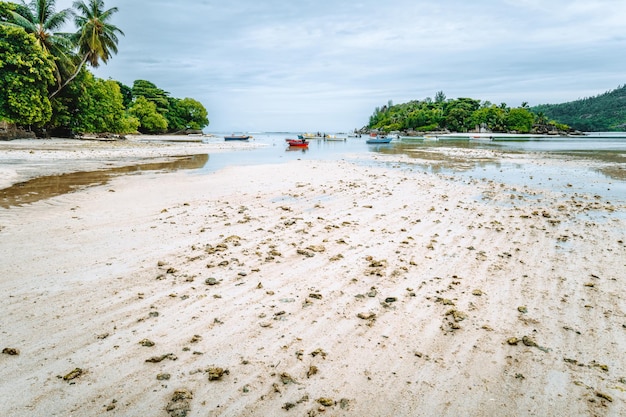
(96, 39)
(39, 19)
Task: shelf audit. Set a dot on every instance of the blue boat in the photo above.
(237, 137)
(379, 139)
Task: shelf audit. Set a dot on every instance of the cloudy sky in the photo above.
(309, 65)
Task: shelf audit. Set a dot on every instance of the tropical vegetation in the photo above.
(459, 115)
(602, 113)
(46, 85)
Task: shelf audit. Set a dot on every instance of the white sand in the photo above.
(378, 291)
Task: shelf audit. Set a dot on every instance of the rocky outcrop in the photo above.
(9, 131)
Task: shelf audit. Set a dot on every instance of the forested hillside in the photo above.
(603, 113)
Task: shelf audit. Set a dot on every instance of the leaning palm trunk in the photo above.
(70, 79)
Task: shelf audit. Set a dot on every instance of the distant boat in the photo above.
(237, 137)
(311, 136)
(297, 143)
(334, 138)
(379, 139)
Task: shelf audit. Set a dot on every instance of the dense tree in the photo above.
(150, 120)
(180, 114)
(146, 89)
(127, 94)
(38, 17)
(26, 71)
(459, 115)
(520, 120)
(44, 80)
(102, 109)
(91, 105)
(604, 112)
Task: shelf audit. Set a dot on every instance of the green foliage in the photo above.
(92, 105)
(127, 94)
(146, 89)
(458, 115)
(491, 117)
(520, 120)
(26, 71)
(180, 114)
(605, 112)
(39, 19)
(150, 120)
(103, 109)
(34, 57)
(186, 114)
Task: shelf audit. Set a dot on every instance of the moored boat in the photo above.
(237, 137)
(298, 143)
(378, 139)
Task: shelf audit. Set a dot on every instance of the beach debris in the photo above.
(196, 337)
(75, 373)
(522, 309)
(513, 341)
(391, 299)
(163, 377)
(305, 252)
(312, 371)
(373, 263)
(111, 406)
(316, 296)
(444, 301)
(457, 315)
(477, 292)
(320, 352)
(604, 396)
(316, 248)
(146, 342)
(157, 359)
(11, 351)
(211, 281)
(601, 366)
(216, 373)
(529, 341)
(180, 404)
(286, 379)
(326, 402)
(367, 315)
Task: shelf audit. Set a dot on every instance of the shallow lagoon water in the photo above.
(603, 173)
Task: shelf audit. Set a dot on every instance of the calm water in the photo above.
(606, 176)
(601, 171)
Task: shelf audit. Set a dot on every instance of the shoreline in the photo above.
(330, 289)
(26, 159)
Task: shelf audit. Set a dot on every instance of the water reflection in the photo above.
(41, 188)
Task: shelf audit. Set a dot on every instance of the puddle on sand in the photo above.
(41, 188)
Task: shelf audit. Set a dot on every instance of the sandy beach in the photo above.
(309, 288)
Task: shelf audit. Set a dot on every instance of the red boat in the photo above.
(300, 143)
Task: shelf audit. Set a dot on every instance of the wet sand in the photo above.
(312, 288)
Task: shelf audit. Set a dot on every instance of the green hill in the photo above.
(602, 113)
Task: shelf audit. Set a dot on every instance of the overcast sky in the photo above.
(324, 65)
